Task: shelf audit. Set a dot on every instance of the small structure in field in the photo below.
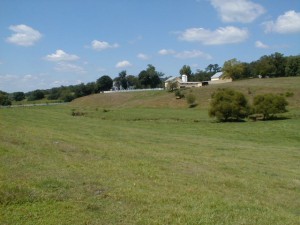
(219, 78)
(177, 83)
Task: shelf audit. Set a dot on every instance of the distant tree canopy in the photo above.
(4, 99)
(104, 83)
(150, 77)
(19, 96)
(274, 65)
(36, 95)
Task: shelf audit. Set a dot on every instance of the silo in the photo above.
(184, 78)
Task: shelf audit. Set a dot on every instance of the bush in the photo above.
(228, 105)
(4, 99)
(269, 104)
(191, 100)
(178, 94)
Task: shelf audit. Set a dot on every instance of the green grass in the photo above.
(133, 164)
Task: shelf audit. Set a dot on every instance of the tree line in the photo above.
(274, 65)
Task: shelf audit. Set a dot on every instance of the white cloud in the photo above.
(192, 54)
(243, 11)
(24, 35)
(60, 56)
(102, 45)
(143, 56)
(69, 68)
(12, 83)
(166, 52)
(123, 64)
(289, 22)
(259, 44)
(223, 35)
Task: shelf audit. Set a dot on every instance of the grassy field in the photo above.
(146, 158)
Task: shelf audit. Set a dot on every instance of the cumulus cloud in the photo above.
(123, 64)
(192, 54)
(143, 56)
(289, 22)
(166, 52)
(243, 11)
(222, 35)
(259, 44)
(60, 56)
(23, 35)
(69, 68)
(102, 45)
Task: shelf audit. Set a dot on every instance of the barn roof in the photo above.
(217, 75)
(171, 79)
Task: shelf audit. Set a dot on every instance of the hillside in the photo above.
(164, 99)
(146, 158)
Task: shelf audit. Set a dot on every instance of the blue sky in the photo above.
(45, 43)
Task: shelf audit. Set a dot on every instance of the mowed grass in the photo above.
(146, 164)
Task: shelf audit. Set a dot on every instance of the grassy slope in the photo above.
(141, 165)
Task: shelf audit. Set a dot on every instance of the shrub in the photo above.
(228, 105)
(269, 104)
(4, 99)
(191, 100)
(179, 94)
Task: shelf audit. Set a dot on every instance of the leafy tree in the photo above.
(67, 95)
(18, 96)
(228, 104)
(36, 95)
(186, 70)
(233, 69)
(133, 81)
(54, 93)
(293, 66)
(150, 77)
(104, 83)
(121, 80)
(201, 75)
(171, 86)
(213, 68)
(4, 99)
(269, 104)
(271, 65)
(209, 68)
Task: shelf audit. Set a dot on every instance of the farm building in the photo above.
(219, 78)
(176, 82)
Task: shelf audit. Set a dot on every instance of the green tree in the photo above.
(233, 69)
(104, 83)
(227, 105)
(18, 96)
(36, 95)
(186, 70)
(4, 99)
(133, 81)
(122, 80)
(269, 104)
(293, 66)
(150, 77)
(201, 75)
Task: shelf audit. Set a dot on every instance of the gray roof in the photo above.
(171, 79)
(217, 75)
